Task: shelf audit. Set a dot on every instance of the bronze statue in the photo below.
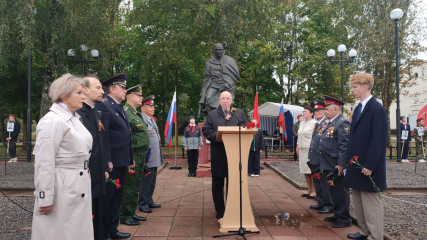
(221, 73)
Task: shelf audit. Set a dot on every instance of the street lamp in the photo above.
(396, 15)
(352, 54)
(94, 53)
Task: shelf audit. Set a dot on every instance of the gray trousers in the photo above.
(322, 191)
(146, 188)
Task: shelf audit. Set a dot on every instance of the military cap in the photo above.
(330, 100)
(317, 104)
(192, 117)
(116, 80)
(148, 100)
(419, 119)
(135, 90)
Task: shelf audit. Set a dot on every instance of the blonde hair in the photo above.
(363, 78)
(64, 86)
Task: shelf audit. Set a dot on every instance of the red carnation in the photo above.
(316, 176)
(117, 181)
(331, 183)
(118, 186)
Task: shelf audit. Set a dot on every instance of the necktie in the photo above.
(359, 111)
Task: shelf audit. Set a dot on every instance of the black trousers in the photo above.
(193, 159)
(97, 211)
(405, 150)
(113, 199)
(341, 199)
(322, 191)
(254, 162)
(12, 149)
(218, 194)
(146, 188)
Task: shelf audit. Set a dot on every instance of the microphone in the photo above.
(239, 121)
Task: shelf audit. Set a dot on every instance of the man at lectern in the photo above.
(224, 115)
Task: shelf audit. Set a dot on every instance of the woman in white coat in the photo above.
(62, 208)
(305, 133)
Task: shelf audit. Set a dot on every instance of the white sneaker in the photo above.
(421, 160)
(254, 175)
(405, 160)
(11, 160)
(16, 159)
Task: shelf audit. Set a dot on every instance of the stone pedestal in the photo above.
(204, 164)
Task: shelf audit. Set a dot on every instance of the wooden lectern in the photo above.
(231, 219)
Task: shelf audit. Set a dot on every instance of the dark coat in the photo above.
(214, 119)
(368, 140)
(258, 141)
(406, 127)
(118, 142)
(15, 133)
(333, 144)
(97, 162)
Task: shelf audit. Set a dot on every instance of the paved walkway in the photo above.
(188, 212)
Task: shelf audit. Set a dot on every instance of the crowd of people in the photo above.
(87, 137)
(95, 160)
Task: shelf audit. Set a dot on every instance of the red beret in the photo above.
(12, 115)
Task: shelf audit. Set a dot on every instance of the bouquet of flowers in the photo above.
(115, 182)
(355, 160)
(131, 171)
(332, 175)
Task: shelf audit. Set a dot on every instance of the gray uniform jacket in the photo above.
(313, 153)
(333, 144)
(153, 132)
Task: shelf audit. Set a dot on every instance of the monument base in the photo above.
(204, 166)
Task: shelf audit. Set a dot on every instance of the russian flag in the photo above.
(255, 114)
(170, 120)
(281, 121)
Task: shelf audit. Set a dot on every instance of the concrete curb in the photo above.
(296, 185)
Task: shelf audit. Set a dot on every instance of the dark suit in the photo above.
(333, 149)
(14, 138)
(118, 149)
(321, 186)
(219, 165)
(406, 142)
(368, 140)
(97, 165)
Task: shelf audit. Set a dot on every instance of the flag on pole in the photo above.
(281, 121)
(170, 120)
(255, 113)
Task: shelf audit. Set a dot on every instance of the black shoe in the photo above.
(131, 222)
(325, 210)
(305, 195)
(145, 208)
(316, 207)
(155, 205)
(190, 174)
(311, 197)
(357, 236)
(219, 215)
(330, 219)
(139, 218)
(341, 225)
(120, 235)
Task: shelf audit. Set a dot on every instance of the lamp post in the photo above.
(33, 10)
(396, 15)
(94, 53)
(352, 54)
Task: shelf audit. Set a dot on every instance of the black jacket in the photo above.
(258, 141)
(15, 133)
(214, 119)
(97, 161)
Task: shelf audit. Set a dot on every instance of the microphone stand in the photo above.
(241, 232)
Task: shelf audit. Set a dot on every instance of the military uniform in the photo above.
(420, 142)
(320, 185)
(118, 151)
(333, 147)
(140, 142)
(153, 160)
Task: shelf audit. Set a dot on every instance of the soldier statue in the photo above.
(221, 74)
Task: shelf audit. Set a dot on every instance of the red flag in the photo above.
(255, 113)
(281, 122)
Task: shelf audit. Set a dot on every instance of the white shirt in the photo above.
(364, 102)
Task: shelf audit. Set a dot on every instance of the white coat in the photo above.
(61, 177)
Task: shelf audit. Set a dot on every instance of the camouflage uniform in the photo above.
(420, 143)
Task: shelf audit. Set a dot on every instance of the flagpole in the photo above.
(283, 130)
(176, 132)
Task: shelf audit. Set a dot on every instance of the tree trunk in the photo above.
(46, 101)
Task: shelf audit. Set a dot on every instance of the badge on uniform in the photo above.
(117, 114)
(347, 129)
(126, 108)
(140, 125)
(330, 132)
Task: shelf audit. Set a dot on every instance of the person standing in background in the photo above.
(407, 128)
(257, 146)
(12, 137)
(192, 142)
(295, 128)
